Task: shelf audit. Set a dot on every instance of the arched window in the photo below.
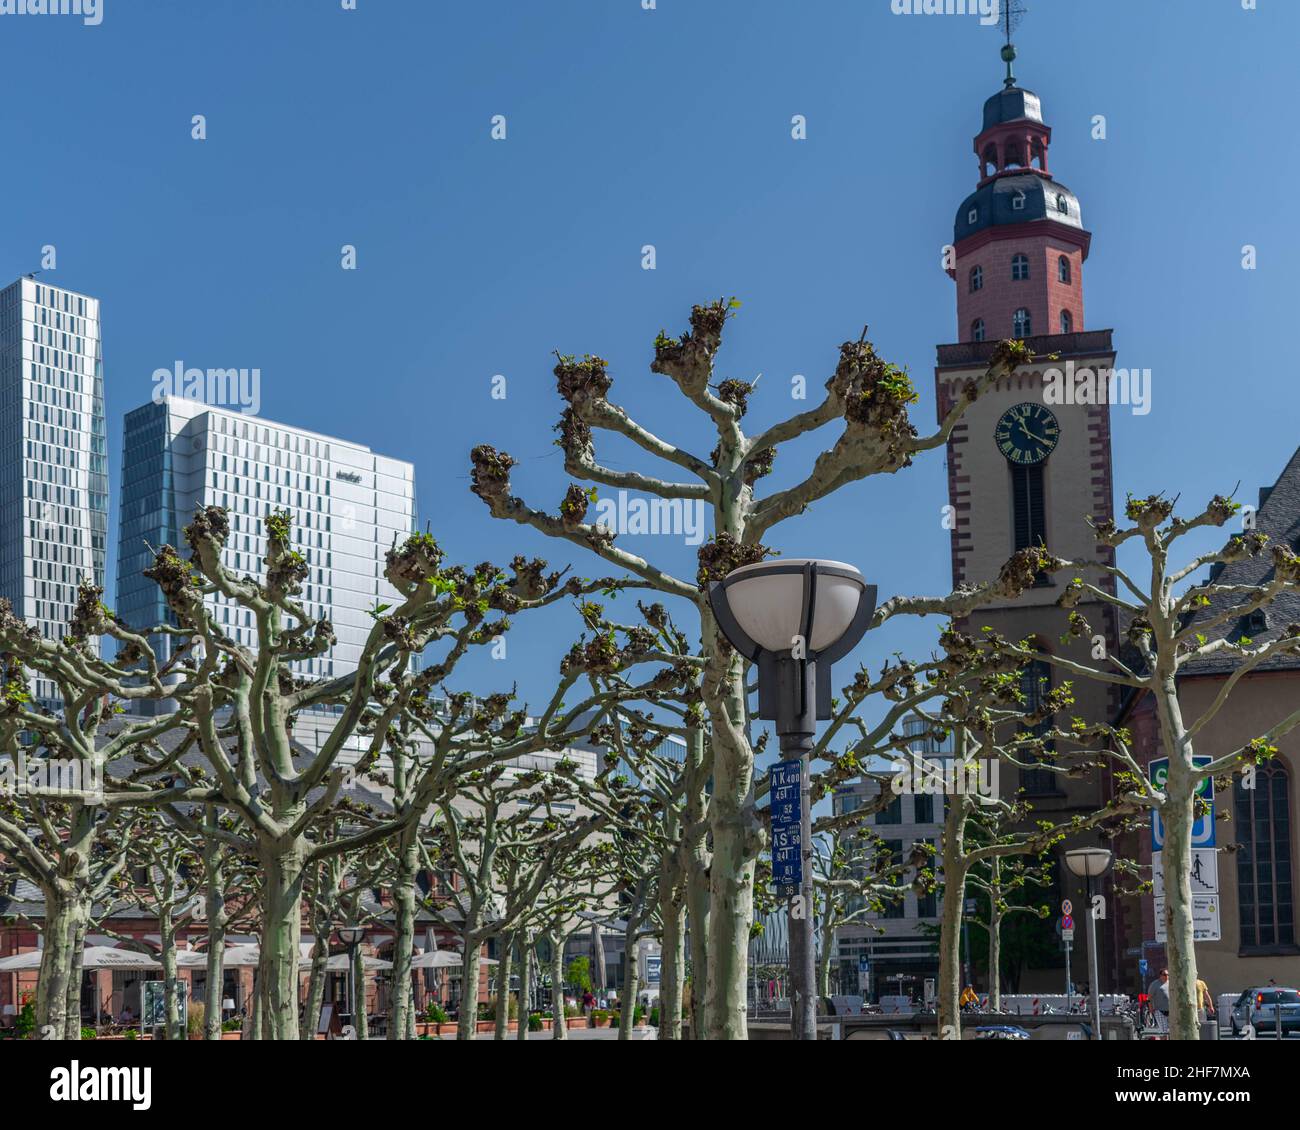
(1062, 204)
(976, 278)
(1063, 269)
(1019, 267)
(977, 330)
(1262, 819)
(1035, 684)
(1067, 323)
(990, 160)
(1021, 323)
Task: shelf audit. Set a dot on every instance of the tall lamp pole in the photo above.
(351, 937)
(794, 619)
(1090, 864)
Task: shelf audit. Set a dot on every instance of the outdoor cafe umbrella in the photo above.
(92, 957)
(341, 963)
(444, 959)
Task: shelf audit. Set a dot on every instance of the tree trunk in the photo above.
(467, 1022)
(320, 955)
(559, 1030)
(730, 915)
(282, 868)
(503, 988)
(1178, 815)
(731, 870)
(360, 1012)
(954, 893)
(172, 1024)
(631, 986)
(670, 969)
(215, 982)
(995, 935)
(60, 967)
(525, 972)
(695, 856)
(402, 1009)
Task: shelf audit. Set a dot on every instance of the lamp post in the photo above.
(351, 937)
(794, 619)
(1090, 864)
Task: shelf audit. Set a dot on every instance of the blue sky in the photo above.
(628, 127)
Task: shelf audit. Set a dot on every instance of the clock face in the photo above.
(1027, 433)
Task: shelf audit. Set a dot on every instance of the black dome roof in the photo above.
(1012, 105)
(1016, 199)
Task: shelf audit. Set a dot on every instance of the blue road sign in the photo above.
(1203, 828)
(1143, 966)
(787, 846)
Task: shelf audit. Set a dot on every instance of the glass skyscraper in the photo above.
(347, 505)
(53, 455)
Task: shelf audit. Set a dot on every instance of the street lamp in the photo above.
(794, 619)
(351, 937)
(1090, 864)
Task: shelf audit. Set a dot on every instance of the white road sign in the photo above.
(1205, 919)
(1205, 872)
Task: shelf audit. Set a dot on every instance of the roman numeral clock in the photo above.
(1027, 433)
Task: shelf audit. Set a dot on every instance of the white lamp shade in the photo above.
(768, 604)
(1088, 863)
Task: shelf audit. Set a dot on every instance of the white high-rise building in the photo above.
(53, 455)
(347, 505)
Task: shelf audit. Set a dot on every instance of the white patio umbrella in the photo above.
(111, 957)
(17, 962)
(341, 963)
(444, 959)
(436, 959)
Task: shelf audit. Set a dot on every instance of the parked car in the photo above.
(1260, 1008)
(1001, 1032)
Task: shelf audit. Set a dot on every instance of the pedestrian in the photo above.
(588, 1004)
(1204, 1002)
(1158, 991)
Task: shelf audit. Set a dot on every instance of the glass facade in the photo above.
(347, 506)
(53, 455)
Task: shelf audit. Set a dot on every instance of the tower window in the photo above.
(1018, 202)
(977, 330)
(1062, 205)
(973, 216)
(1063, 269)
(1021, 323)
(1019, 267)
(1262, 819)
(1036, 685)
(1067, 323)
(976, 278)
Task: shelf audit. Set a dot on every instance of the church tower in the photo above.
(1025, 469)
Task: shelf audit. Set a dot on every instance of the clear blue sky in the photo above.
(627, 127)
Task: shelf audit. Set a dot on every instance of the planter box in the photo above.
(232, 1035)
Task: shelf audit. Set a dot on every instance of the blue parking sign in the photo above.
(1203, 826)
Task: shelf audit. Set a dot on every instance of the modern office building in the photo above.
(348, 506)
(53, 455)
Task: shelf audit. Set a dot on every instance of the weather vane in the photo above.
(1013, 11)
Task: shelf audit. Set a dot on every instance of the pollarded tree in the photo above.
(1174, 623)
(869, 397)
(63, 828)
(237, 704)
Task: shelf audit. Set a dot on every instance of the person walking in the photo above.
(1158, 991)
(1204, 1002)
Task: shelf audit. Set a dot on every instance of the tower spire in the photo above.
(1013, 12)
